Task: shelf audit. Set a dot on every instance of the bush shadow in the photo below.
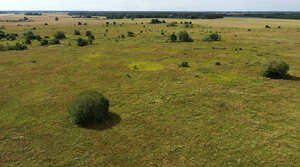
(110, 121)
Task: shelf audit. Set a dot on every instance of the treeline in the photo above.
(132, 15)
(33, 13)
(275, 15)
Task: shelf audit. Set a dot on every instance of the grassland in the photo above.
(204, 115)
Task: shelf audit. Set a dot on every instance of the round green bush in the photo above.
(275, 69)
(88, 107)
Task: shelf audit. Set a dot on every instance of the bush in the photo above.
(184, 64)
(27, 41)
(11, 37)
(29, 35)
(54, 42)
(37, 37)
(213, 37)
(130, 34)
(184, 37)
(88, 33)
(88, 107)
(60, 35)
(82, 42)
(275, 69)
(44, 42)
(173, 37)
(79, 23)
(267, 26)
(2, 35)
(77, 32)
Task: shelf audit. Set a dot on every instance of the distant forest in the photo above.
(162, 14)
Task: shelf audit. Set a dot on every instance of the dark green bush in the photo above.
(267, 26)
(173, 37)
(27, 41)
(275, 69)
(184, 64)
(54, 42)
(11, 36)
(60, 35)
(2, 35)
(38, 37)
(79, 23)
(213, 37)
(44, 42)
(29, 35)
(82, 42)
(89, 107)
(185, 37)
(88, 33)
(77, 32)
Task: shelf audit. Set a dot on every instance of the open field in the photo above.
(204, 115)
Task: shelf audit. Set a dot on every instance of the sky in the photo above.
(153, 5)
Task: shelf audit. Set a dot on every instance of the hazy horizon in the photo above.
(153, 5)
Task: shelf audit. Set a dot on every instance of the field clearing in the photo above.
(204, 115)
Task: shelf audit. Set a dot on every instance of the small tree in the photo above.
(184, 37)
(56, 19)
(79, 23)
(173, 37)
(267, 26)
(184, 64)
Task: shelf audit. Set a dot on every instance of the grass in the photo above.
(165, 116)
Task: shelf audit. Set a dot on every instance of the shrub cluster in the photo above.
(275, 69)
(156, 21)
(60, 35)
(213, 37)
(11, 36)
(17, 46)
(82, 42)
(89, 107)
(77, 32)
(185, 37)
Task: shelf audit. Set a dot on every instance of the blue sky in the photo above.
(153, 5)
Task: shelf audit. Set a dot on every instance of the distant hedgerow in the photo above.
(89, 107)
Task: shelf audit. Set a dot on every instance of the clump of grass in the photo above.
(184, 64)
(275, 69)
(89, 107)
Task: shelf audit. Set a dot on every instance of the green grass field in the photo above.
(204, 115)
